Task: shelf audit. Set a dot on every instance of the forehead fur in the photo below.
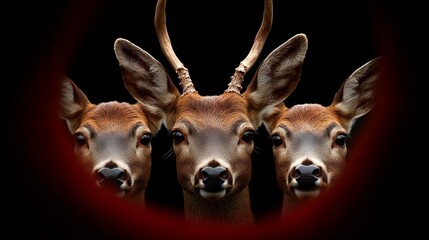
(312, 115)
(212, 111)
(115, 116)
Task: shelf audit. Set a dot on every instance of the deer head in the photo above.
(213, 135)
(310, 140)
(112, 139)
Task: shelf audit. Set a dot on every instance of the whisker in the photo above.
(168, 154)
(258, 150)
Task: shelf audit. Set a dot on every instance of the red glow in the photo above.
(90, 211)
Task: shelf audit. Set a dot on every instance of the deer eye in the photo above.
(177, 137)
(146, 139)
(341, 140)
(248, 136)
(79, 139)
(276, 140)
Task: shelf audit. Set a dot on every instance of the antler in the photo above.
(247, 63)
(164, 41)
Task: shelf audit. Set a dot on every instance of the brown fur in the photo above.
(304, 136)
(112, 132)
(212, 132)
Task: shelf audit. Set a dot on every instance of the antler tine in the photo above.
(164, 41)
(258, 44)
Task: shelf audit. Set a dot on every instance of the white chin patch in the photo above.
(212, 195)
(307, 194)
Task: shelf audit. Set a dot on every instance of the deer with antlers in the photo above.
(310, 140)
(213, 135)
(112, 140)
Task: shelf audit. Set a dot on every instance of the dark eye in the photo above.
(145, 139)
(177, 137)
(341, 140)
(276, 140)
(79, 139)
(248, 136)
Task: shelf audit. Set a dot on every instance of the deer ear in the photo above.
(144, 77)
(355, 97)
(277, 76)
(73, 102)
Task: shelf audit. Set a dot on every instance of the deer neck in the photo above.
(231, 209)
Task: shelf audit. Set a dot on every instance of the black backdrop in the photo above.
(211, 38)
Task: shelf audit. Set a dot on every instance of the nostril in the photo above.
(219, 172)
(223, 174)
(316, 171)
(213, 178)
(306, 176)
(121, 175)
(111, 175)
(204, 173)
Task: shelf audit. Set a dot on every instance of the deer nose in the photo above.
(307, 175)
(111, 176)
(213, 178)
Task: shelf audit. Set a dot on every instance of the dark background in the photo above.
(211, 38)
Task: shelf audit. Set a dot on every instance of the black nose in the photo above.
(111, 176)
(213, 178)
(307, 176)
